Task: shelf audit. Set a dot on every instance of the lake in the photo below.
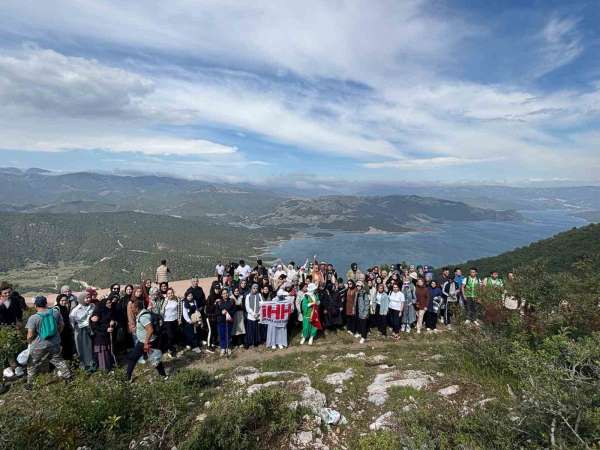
(452, 242)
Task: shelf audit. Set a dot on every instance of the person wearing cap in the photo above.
(309, 301)
(43, 336)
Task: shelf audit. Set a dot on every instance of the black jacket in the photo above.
(14, 313)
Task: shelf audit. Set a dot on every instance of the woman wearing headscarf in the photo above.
(225, 311)
(409, 314)
(71, 298)
(422, 293)
(252, 305)
(267, 294)
(211, 316)
(435, 299)
(192, 320)
(309, 301)
(67, 341)
(362, 311)
(80, 320)
(239, 327)
(350, 306)
(277, 333)
(102, 325)
(122, 338)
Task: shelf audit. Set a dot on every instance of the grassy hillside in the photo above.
(557, 254)
(118, 247)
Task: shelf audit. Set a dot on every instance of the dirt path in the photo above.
(180, 287)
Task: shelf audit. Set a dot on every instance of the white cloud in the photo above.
(561, 44)
(35, 79)
(425, 163)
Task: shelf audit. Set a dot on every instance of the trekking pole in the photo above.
(110, 335)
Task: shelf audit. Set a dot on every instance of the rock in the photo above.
(201, 417)
(448, 391)
(377, 359)
(339, 378)
(338, 390)
(359, 355)
(385, 367)
(303, 438)
(408, 408)
(436, 357)
(383, 422)
(482, 403)
(410, 378)
(250, 377)
(206, 404)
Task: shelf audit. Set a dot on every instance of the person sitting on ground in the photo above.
(43, 336)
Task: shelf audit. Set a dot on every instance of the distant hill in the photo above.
(558, 253)
(37, 190)
(117, 247)
(388, 213)
(504, 197)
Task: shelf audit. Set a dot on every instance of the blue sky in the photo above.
(356, 91)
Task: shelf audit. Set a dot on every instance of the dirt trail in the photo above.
(180, 287)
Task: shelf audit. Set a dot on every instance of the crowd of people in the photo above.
(150, 322)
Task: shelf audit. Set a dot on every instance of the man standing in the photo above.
(12, 306)
(354, 273)
(219, 271)
(261, 269)
(470, 290)
(43, 335)
(162, 272)
(243, 270)
(146, 344)
(493, 281)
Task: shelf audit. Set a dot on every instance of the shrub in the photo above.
(12, 342)
(259, 421)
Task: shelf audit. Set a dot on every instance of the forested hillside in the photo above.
(557, 254)
(119, 246)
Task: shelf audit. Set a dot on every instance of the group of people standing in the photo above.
(151, 320)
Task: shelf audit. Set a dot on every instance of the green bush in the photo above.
(103, 411)
(235, 423)
(12, 342)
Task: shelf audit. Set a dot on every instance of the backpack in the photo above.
(48, 327)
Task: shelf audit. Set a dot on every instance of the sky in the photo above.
(304, 91)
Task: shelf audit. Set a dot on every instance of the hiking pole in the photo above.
(110, 335)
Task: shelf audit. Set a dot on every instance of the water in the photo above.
(449, 243)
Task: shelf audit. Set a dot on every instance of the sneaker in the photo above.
(429, 330)
(166, 378)
(310, 341)
(228, 352)
(418, 331)
(274, 347)
(350, 332)
(281, 347)
(19, 372)
(187, 347)
(204, 342)
(141, 360)
(222, 353)
(302, 341)
(8, 372)
(362, 340)
(196, 350)
(357, 335)
(467, 322)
